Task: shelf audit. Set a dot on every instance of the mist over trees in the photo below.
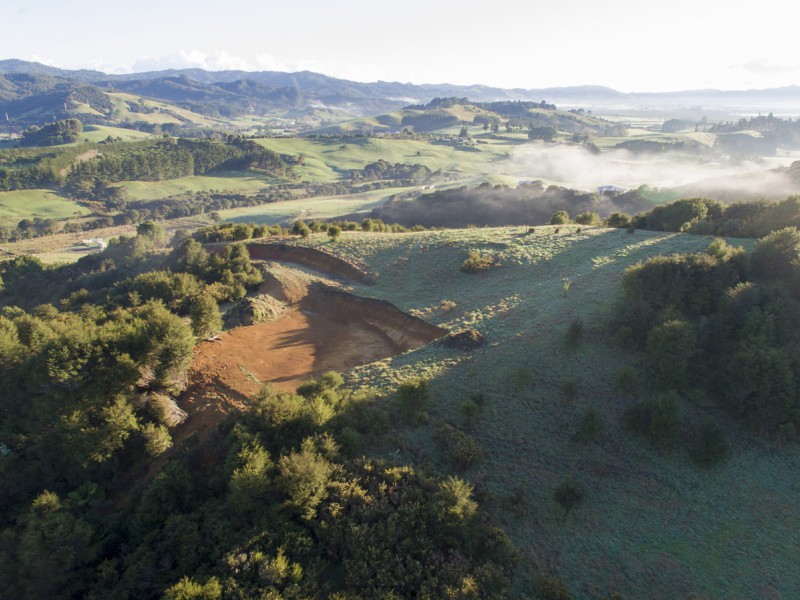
(527, 204)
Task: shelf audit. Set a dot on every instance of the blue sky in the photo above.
(626, 44)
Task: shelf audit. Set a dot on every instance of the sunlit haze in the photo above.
(625, 44)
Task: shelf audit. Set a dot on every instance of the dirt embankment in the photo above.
(322, 329)
(402, 329)
(311, 258)
(326, 329)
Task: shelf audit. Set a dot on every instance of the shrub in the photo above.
(590, 427)
(412, 396)
(460, 450)
(710, 445)
(572, 338)
(257, 309)
(477, 262)
(566, 283)
(334, 231)
(157, 439)
(466, 339)
(456, 495)
(304, 478)
(302, 229)
(589, 218)
(520, 502)
(560, 218)
(350, 440)
(469, 409)
(671, 347)
(568, 494)
(777, 256)
(657, 421)
(570, 389)
(550, 588)
(188, 589)
(205, 316)
(627, 382)
(618, 220)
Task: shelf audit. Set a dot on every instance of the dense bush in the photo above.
(722, 327)
(458, 449)
(477, 262)
(657, 421)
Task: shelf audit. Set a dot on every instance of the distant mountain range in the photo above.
(32, 93)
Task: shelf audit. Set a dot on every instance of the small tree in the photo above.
(157, 439)
(619, 220)
(302, 229)
(710, 445)
(658, 421)
(550, 588)
(413, 396)
(589, 218)
(205, 316)
(590, 427)
(304, 478)
(568, 494)
(334, 231)
(560, 218)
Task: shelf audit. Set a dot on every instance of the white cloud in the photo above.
(187, 59)
(763, 66)
(224, 61)
(45, 61)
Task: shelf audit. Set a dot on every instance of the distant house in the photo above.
(610, 189)
(98, 243)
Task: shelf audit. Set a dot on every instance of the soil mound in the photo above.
(314, 259)
(254, 309)
(466, 339)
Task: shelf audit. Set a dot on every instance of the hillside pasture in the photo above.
(649, 521)
(333, 159)
(162, 113)
(222, 181)
(325, 207)
(28, 204)
(98, 133)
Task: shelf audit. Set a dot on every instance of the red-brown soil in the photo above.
(324, 329)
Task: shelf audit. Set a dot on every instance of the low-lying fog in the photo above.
(576, 167)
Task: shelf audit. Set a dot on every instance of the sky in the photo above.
(629, 45)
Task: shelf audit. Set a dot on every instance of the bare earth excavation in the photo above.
(323, 329)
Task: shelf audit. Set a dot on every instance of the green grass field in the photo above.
(326, 207)
(98, 133)
(331, 160)
(649, 521)
(163, 113)
(224, 181)
(27, 204)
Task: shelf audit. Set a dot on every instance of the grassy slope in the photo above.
(223, 181)
(323, 207)
(650, 522)
(325, 160)
(166, 113)
(27, 204)
(98, 133)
